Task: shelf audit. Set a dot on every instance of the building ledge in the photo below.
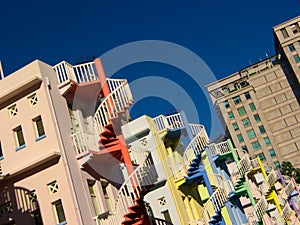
(33, 166)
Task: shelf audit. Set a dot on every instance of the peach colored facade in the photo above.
(42, 173)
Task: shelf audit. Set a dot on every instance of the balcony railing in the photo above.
(85, 72)
(84, 141)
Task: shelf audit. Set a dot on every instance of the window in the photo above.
(246, 122)
(235, 126)
(32, 100)
(39, 128)
(262, 156)
(252, 106)
(226, 104)
(295, 28)
(1, 152)
(231, 116)
(106, 196)
(240, 138)
(256, 117)
(245, 148)
(236, 99)
(52, 187)
(59, 212)
(284, 33)
(277, 165)
(251, 134)
(19, 137)
(162, 201)
(247, 95)
(292, 48)
(167, 216)
(262, 129)
(242, 111)
(12, 110)
(297, 58)
(94, 197)
(255, 145)
(267, 141)
(272, 153)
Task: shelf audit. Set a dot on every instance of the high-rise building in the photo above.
(259, 104)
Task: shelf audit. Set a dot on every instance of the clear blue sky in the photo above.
(227, 35)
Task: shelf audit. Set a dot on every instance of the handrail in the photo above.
(260, 207)
(159, 221)
(193, 148)
(219, 148)
(130, 190)
(269, 181)
(173, 121)
(114, 103)
(217, 200)
(79, 73)
(114, 83)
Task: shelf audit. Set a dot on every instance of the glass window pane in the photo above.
(251, 134)
(267, 141)
(257, 118)
(240, 138)
(226, 104)
(59, 211)
(292, 48)
(277, 165)
(245, 148)
(231, 116)
(255, 145)
(242, 111)
(262, 156)
(252, 106)
(297, 58)
(247, 95)
(262, 129)
(272, 153)
(236, 99)
(235, 126)
(246, 122)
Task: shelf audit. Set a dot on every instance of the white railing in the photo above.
(286, 212)
(85, 72)
(254, 163)
(198, 128)
(217, 200)
(219, 149)
(158, 221)
(116, 102)
(260, 208)
(144, 175)
(289, 188)
(169, 122)
(194, 147)
(269, 182)
(243, 167)
(114, 83)
(84, 141)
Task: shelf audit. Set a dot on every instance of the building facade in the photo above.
(259, 105)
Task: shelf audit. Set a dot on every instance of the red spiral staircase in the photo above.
(111, 151)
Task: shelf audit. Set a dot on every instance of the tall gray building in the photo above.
(259, 105)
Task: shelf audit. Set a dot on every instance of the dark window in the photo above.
(247, 95)
(255, 145)
(252, 106)
(256, 117)
(246, 122)
(226, 104)
(272, 153)
(235, 126)
(241, 111)
(59, 211)
(236, 99)
(240, 138)
(262, 129)
(261, 156)
(231, 116)
(292, 48)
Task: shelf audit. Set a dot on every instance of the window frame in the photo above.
(37, 121)
(236, 100)
(247, 95)
(240, 140)
(256, 142)
(57, 217)
(240, 110)
(251, 134)
(17, 132)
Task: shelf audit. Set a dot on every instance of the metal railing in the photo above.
(117, 101)
(85, 72)
(84, 141)
(144, 175)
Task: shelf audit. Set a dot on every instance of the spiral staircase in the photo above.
(111, 113)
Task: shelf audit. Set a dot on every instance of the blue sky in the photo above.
(226, 35)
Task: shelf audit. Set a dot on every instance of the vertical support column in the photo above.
(186, 125)
(102, 77)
